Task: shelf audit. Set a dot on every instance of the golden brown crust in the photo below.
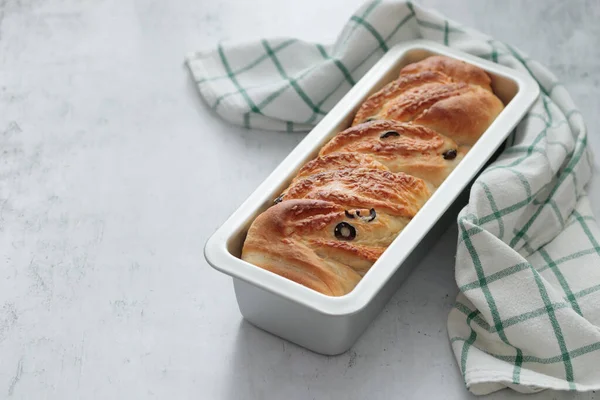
(373, 105)
(338, 161)
(367, 138)
(346, 206)
(272, 244)
(459, 71)
(416, 150)
(409, 104)
(463, 118)
(396, 193)
(296, 239)
(437, 92)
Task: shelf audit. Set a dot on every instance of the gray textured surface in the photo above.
(113, 174)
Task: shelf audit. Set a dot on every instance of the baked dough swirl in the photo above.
(346, 206)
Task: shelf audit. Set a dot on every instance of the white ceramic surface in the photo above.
(108, 192)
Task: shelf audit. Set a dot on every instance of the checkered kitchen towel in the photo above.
(528, 257)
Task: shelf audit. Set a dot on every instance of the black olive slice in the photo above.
(372, 215)
(389, 134)
(344, 231)
(449, 155)
(278, 200)
(348, 214)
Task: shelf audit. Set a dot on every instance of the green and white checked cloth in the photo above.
(528, 256)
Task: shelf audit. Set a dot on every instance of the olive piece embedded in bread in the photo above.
(372, 215)
(388, 134)
(344, 231)
(450, 154)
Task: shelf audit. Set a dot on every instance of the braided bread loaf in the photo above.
(346, 206)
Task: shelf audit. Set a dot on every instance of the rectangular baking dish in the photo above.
(330, 325)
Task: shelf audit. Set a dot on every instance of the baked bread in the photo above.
(401, 147)
(292, 238)
(338, 161)
(451, 97)
(399, 194)
(343, 208)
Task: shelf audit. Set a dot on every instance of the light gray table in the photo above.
(113, 174)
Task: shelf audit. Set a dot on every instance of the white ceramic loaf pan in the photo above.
(330, 325)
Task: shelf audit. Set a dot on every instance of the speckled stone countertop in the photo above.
(113, 174)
